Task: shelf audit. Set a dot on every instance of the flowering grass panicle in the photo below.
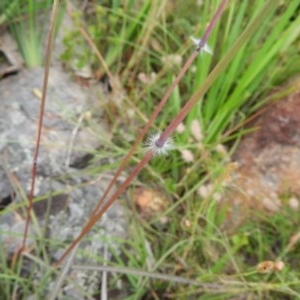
(206, 48)
(159, 148)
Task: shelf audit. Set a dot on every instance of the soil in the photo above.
(268, 176)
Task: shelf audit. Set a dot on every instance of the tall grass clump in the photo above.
(27, 22)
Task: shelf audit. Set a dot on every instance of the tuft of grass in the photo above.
(28, 24)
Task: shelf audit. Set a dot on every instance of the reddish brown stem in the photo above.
(187, 107)
(40, 121)
(212, 24)
(146, 128)
(96, 214)
(163, 102)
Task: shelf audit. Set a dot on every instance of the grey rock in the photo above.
(64, 196)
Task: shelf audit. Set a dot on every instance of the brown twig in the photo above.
(96, 214)
(41, 117)
(160, 106)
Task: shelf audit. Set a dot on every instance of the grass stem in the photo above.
(41, 117)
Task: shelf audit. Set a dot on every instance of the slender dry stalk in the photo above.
(219, 68)
(145, 129)
(161, 104)
(96, 214)
(155, 275)
(41, 117)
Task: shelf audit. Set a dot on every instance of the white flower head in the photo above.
(158, 148)
(206, 48)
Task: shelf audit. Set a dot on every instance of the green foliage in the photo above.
(7, 10)
(141, 37)
(121, 31)
(234, 96)
(27, 20)
(251, 74)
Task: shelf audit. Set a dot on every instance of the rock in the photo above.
(72, 132)
(14, 62)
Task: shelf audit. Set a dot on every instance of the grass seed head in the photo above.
(205, 48)
(154, 144)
